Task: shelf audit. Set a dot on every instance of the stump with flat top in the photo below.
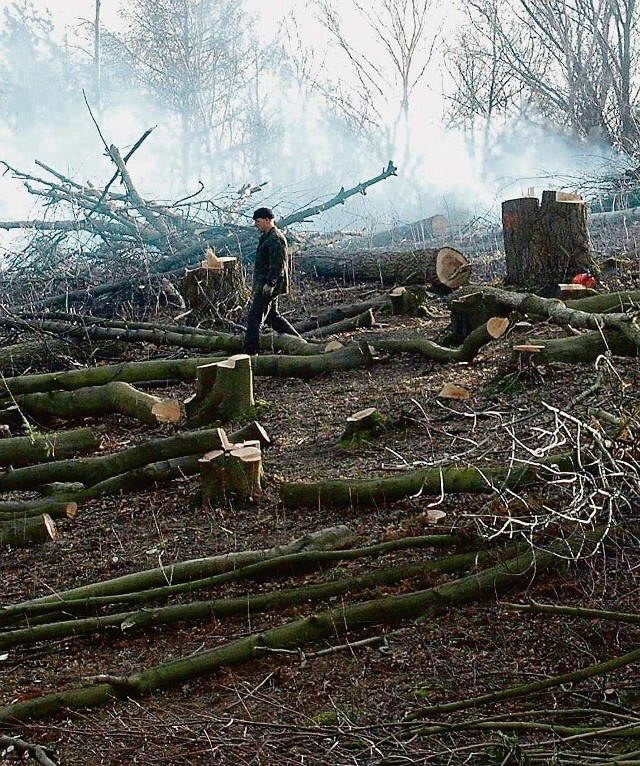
(367, 422)
(546, 243)
(224, 391)
(215, 288)
(231, 476)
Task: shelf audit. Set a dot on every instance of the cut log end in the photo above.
(497, 327)
(452, 268)
(167, 411)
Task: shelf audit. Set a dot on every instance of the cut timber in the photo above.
(453, 391)
(224, 391)
(229, 477)
(43, 448)
(366, 321)
(22, 509)
(102, 400)
(568, 292)
(363, 423)
(443, 267)
(27, 531)
(546, 244)
(215, 287)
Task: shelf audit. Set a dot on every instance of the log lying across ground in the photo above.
(380, 490)
(304, 367)
(444, 267)
(95, 401)
(29, 530)
(43, 448)
(292, 635)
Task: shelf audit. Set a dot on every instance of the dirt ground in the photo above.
(350, 705)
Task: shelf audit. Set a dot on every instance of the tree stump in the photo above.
(545, 244)
(367, 422)
(408, 301)
(217, 287)
(224, 391)
(231, 476)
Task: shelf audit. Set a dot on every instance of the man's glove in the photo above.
(267, 291)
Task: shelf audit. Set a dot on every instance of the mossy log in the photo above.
(293, 635)
(19, 451)
(491, 330)
(179, 573)
(366, 320)
(381, 490)
(96, 401)
(379, 302)
(231, 476)
(224, 391)
(442, 267)
(22, 509)
(277, 365)
(91, 470)
(584, 348)
(30, 530)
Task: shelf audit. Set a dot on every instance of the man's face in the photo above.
(263, 224)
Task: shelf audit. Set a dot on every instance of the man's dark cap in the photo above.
(263, 212)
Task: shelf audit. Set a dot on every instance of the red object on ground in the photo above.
(584, 279)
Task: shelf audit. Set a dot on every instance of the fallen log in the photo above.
(29, 530)
(366, 320)
(179, 573)
(434, 227)
(491, 330)
(96, 401)
(381, 490)
(22, 509)
(91, 470)
(43, 448)
(342, 312)
(277, 365)
(296, 634)
(444, 268)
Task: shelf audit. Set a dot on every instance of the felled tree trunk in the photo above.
(43, 448)
(27, 531)
(22, 509)
(102, 400)
(216, 287)
(224, 391)
(546, 244)
(418, 231)
(365, 320)
(444, 268)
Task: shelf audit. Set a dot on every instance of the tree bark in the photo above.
(115, 397)
(214, 288)
(545, 244)
(224, 391)
(381, 490)
(322, 625)
(366, 320)
(444, 267)
(22, 509)
(29, 530)
(43, 448)
(231, 476)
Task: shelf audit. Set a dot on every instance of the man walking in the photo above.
(270, 279)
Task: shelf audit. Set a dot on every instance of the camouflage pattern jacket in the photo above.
(271, 265)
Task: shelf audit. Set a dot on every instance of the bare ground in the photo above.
(349, 706)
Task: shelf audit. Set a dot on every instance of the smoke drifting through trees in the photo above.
(320, 97)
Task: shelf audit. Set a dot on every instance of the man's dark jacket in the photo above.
(271, 264)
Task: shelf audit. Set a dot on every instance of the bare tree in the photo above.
(384, 66)
(193, 57)
(574, 59)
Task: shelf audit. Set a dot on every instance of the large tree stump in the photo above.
(231, 476)
(214, 288)
(224, 391)
(442, 267)
(545, 244)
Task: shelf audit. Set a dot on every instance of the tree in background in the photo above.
(193, 59)
(375, 96)
(571, 62)
(36, 72)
